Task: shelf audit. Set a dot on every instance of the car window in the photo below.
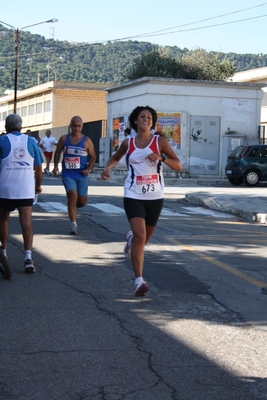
(237, 152)
(253, 152)
(263, 152)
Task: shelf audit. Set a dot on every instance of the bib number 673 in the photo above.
(148, 188)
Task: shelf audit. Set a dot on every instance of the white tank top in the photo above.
(17, 174)
(144, 179)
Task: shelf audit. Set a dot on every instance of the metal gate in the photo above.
(95, 130)
(204, 145)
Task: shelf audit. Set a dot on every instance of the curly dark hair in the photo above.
(134, 114)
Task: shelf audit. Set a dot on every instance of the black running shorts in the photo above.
(149, 210)
(12, 204)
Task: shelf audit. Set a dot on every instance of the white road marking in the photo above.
(206, 211)
(167, 212)
(111, 209)
(107, 208)
(53, 207)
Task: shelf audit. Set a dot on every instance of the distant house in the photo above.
(52, 104)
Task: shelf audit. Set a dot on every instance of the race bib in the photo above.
(72, 162)
(147, 183)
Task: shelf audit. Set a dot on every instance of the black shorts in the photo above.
(12, 204)
(149, 210)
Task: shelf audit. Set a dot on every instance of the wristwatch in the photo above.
(163, 158)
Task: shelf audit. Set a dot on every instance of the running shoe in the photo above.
(5, 268)
(73, 229)
(128, 246)
(141, 289)
(29, 266)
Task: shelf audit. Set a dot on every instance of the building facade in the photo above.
(53, 104)
(203, 121)
(256, 75)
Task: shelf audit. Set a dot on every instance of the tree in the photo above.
(210, 66)
(155, 63)
(196, 64)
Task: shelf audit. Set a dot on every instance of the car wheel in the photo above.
(251, 178)
(235, 182)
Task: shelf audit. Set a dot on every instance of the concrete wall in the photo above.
(238, 106)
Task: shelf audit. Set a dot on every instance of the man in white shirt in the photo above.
(46, 144)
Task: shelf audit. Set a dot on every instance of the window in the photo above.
(253, 152)
(263, 152)
(31, 109)
(39, 108)
(24, 111)
(47, 106)
(4, 115)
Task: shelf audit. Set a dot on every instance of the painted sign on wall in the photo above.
(119, 125)
(169, 125)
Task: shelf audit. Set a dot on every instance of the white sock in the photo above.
(27, 255)
(4, 252)
(139, 280)
(74, 223)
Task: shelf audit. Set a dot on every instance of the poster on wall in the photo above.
(119, 125)
(169, 125)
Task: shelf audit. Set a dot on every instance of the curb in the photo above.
(213, 204)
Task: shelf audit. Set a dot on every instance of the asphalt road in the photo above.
(74, 330)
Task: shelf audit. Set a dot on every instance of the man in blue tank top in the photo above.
(76, 148)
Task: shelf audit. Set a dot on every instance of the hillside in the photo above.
(103, 63)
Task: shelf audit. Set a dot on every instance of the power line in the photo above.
(206, 27)
(197, 22)
(159, 32)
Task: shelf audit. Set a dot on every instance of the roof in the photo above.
(53, 85)
(251, 75)
(172, 81)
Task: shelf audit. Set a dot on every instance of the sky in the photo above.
(236, 26)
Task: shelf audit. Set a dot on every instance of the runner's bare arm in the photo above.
(171, 159)
(58, 152)
(113, 161)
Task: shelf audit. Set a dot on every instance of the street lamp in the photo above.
(17, 41)
(49, 67)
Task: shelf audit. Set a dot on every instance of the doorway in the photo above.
(204, 145)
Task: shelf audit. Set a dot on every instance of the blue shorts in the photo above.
(80, 185)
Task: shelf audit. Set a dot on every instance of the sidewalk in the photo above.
(248, 203)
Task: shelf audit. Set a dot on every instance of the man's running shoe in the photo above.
(128, 246)
(29, 266)
(5, 268)
(141, 289)
(73, 229)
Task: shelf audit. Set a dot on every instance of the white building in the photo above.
(257, 75)
(202, 120)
